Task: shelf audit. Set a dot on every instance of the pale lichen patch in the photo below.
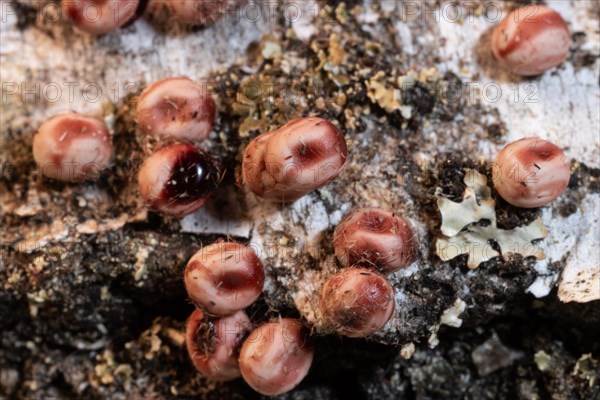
(543, 360)
(451, 316)
(470, 227)
(586, 368)
(407, 350)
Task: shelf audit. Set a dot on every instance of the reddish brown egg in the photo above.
(357, 302)
(531, 40)
(72, 147)
(531, 172)
(298, 158)
(214, 344)
(102, 16)
(178, 179)
(224, 277)
(276, 357)
(374, 238)
(176, 107)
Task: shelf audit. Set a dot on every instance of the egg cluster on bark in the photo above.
(99, 17)
(222, 280)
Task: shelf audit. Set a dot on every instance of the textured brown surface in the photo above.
(92, 302)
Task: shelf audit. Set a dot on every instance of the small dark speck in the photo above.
(365, 273)
(229, 257)
(523, 184)
(25, 13)
(537, 166)
(212, 303)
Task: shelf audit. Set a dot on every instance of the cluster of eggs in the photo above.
(222, 280)
(225, 278)
(529, 41)
(300, 156)
(102, 16)
(284, 165)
